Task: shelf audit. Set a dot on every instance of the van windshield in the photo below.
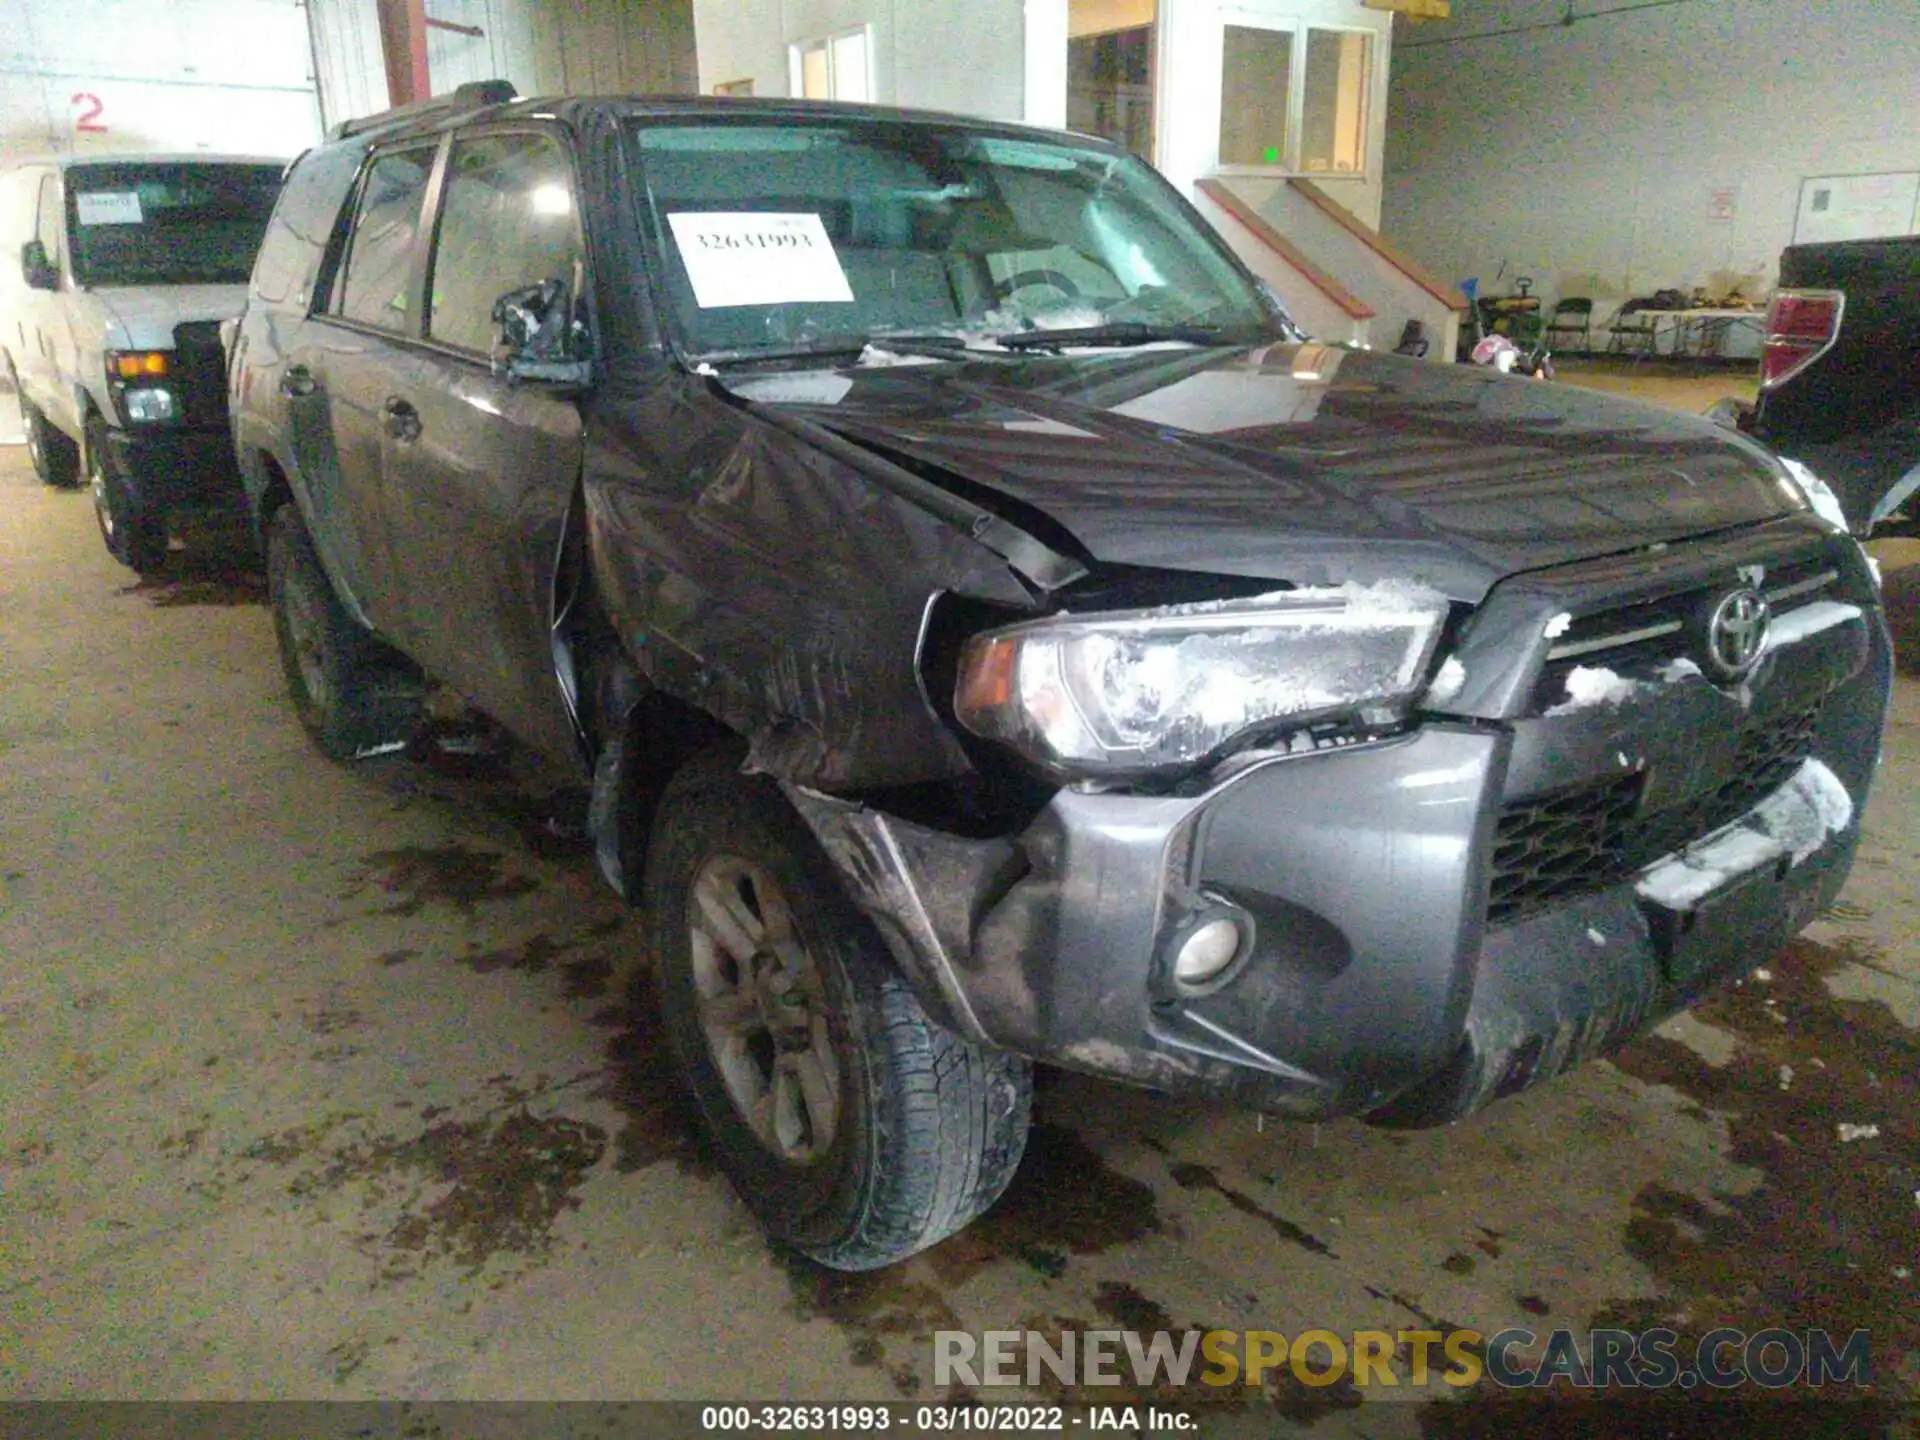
(796, 234)
(167, 223)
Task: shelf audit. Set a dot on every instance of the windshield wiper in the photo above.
(837, 347)
(1118, 332)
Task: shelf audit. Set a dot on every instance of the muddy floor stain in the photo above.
(1824, 1240)
(1065, 1201)
(1200, 1177)
(202, 580)
(455, 875)
(465, 1191)
(642, 1081)
(1827, 1237)
(877, 1310)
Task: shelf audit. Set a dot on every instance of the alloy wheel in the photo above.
(763, 1009)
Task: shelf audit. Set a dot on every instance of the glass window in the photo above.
(507, 221)
(1333, 124)
(1110, 87)
(835, 68)
(1256, 83)
(849, 54)
(378, 286)
(792, 234)
(166, 223)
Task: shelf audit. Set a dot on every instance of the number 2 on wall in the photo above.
(89, 117)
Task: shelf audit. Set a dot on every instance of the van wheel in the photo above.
(857, 1129)
(353, 695)
(137, 540)
(56, 459)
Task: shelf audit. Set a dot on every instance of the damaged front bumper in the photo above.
(1437, 919)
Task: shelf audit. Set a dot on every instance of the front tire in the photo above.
(56, 459)
(353, 695)
(133, 537)
(857, 1129)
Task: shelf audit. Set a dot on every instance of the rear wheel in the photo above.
(133, 537)
(56, 459)
(354, 696)
(854, 1126)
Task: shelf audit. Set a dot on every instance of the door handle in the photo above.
(403, 421)
(295, 381)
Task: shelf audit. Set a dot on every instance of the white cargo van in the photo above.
(115, 273)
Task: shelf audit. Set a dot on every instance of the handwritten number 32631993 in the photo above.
(90, 111)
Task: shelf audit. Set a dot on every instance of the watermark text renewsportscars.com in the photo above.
(1412, 1359)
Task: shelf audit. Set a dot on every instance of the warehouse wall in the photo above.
(964, 57)
(599, 47)
(1623, 154)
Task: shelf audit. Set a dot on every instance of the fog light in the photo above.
(148, 404)
(1206, 952)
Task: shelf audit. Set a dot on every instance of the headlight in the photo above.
(1819, 495)
(1136, 691)
(148, 404)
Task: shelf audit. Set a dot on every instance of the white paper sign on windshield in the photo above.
(108, 207)
(750, 259)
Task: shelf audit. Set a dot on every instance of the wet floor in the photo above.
(345, 1082)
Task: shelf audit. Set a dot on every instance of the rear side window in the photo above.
(302, 223)
(378, 286)
(508, 221)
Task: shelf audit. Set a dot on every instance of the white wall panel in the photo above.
(966, 57)
(1659, 147)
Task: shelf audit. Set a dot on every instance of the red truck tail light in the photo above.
(1801, 327)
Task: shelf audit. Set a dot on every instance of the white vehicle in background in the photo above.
(115, 273)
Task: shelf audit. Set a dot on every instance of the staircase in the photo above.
(1339, 277)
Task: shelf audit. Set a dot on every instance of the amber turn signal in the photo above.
(137, 364)
(986, 676)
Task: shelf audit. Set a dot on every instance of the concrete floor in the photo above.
(326, 1082)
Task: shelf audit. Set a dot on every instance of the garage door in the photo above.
(155, 75)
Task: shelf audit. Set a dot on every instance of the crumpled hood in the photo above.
(142, 317)
(1303, 463)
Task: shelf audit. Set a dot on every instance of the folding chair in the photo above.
(1572, 316)
(1629, 334)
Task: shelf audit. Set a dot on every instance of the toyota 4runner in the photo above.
(992, 633)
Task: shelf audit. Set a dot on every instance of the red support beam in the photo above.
(403, 44)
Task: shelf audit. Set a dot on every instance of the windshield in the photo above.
(803, 235)
(167, 224)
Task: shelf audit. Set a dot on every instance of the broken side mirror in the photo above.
(540, 334)
(37, 268)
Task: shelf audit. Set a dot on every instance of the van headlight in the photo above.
(147, 404)
(1130, 692)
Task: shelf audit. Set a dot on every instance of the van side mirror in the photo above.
(539, 334)
(36, 268)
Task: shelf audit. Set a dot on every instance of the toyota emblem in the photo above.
(1737, 633)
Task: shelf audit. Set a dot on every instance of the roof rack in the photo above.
(474, 95)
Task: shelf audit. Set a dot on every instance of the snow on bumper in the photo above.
(1790, 824)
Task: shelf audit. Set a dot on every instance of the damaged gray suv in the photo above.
(992, 633)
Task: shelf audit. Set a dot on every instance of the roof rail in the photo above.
(474, 95)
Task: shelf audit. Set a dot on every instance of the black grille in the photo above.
(1593, 836)
(200, 374)
(1649, 633)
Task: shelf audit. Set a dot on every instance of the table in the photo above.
(1707, 324)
